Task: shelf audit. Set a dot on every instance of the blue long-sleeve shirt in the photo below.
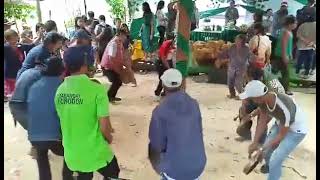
(39, 52)
(43, 120)
(176, 132)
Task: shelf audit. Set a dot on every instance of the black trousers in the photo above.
(161, 69)
(111, 170)
(115, 79)
(42, 148)
(162, 31)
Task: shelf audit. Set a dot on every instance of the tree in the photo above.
(134, 6)
(117, 8)
(18, 10)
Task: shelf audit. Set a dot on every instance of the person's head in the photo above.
(256, 91)
(160, 5)
(240, 40)
(102, 18)
(76, 59)
(117, 22)
(40, 27)
(91, 14)
(254, 73)
(53, 41)
(311, 2)
(12, 37)
(80, 22)
(257, 17)
(125, 27)
(26, 36)
(259, 29)
(50, 26)
(284, 6)
(171, 80)
(269, 12)
(84, 17)
(146, 8)
(7, 25)
(232, 3)
(170, 36)
(310, 18)
(290, 22)
(82, 37)
(122, 34)
(54, 67)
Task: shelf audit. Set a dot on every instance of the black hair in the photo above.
(146, 8)
(91, 14)
(38, 26)
(289, 20)
(50, 26)
(269, 10)
(259, 16)
(254, 73)
(232, 1)
(160, 5)
(310, 18)
(260, 28)
(170, 36)
(122, 31)
(53, 38)
(84, 17)
(243, 37)
(311, 2)
(54, 67)
(102, 18)
(76, 22)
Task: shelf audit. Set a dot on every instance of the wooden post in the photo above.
(185, 11)
(39, 11)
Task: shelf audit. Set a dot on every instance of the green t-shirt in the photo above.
(80, 103)
(278, 49)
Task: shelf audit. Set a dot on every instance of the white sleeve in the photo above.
(112, 49)
(286, 113)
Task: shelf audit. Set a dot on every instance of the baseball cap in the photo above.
(171, 78)
(254, 88)
(284, 3)
(82, 34)
(77, 56)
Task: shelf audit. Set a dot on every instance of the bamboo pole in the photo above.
(185, 11)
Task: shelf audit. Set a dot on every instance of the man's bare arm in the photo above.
(106, 128)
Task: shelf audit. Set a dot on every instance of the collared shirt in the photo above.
(176, 131)
(39, 52)
(80, 104)
(43, 121)
(232, 14)
(24, 83)
(113, 56)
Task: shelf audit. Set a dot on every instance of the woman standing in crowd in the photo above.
(162, 22)
(172, 15)
(260, 47)
(306, 45)
(238, 55)
(147, 30)
(40, 31)
(127, 55)
(14, 55)
(283, 51)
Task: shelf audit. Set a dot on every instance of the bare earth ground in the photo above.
(225, 156)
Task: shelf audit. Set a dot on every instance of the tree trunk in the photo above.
(39, 11)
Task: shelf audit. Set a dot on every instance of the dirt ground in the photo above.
(130, 119)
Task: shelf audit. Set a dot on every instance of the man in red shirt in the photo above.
(165, 61)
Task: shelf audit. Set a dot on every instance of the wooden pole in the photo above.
(39, 11)
(185, 11)
(85, 7)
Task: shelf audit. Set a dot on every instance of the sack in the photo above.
(272, 81)
(125, 76)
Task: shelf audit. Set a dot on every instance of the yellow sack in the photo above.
(138, 53)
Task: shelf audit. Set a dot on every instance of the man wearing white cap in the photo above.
(287, 132)
(278, 18)
(176, 148)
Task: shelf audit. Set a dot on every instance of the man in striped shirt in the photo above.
(287, 132)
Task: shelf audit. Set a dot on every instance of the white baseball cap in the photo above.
(254, 88)
(171, 78)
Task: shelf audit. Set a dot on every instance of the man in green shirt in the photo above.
(82, 106)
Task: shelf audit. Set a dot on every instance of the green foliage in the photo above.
(117, 8)
(18, 10)
(134, 5)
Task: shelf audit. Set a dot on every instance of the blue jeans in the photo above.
(305, 57)
(275, 157)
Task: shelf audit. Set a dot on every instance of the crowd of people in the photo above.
(51, 92)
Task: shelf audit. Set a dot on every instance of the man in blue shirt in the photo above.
(51, 43)
(176, 148)
(43, 122)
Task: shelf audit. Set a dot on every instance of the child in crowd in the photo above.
(14, 55)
